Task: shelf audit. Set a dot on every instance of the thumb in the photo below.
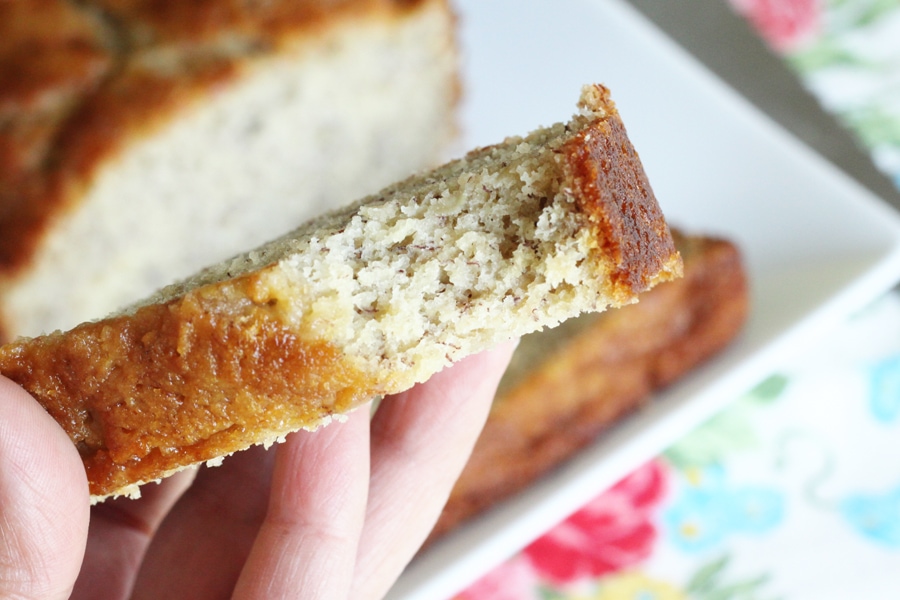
(44, 504)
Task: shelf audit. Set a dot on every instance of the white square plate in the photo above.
(817, 244)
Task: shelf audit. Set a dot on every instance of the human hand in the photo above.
(333, 514)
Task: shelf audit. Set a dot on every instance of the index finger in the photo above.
(421, 440)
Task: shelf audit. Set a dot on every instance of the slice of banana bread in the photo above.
(361, 302)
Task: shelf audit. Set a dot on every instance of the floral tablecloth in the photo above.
(793, 492)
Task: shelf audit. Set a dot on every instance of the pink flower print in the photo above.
(612, 532)
(784, 24)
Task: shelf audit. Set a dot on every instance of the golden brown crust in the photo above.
(615, 193)
(606, 369)
(218, 367)
(200, 22)
(51, 56)
(46, 65)
(78, 81)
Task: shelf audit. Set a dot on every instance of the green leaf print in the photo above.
(729, 431)
(769, 389)
(856, 14)
(742, 590)
(704, 580)
(547, 593)
(710, 583)
(876, 125)
(704, 447)
(826, 52)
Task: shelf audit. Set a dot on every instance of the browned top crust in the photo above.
(615, 192)
(78, 80)
(224, 22)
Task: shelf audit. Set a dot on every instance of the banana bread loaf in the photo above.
(141, 141)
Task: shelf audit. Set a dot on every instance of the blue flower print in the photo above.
(709, 510)
(875, 517)
(884, 392)
(756, 509)
(697, 521)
